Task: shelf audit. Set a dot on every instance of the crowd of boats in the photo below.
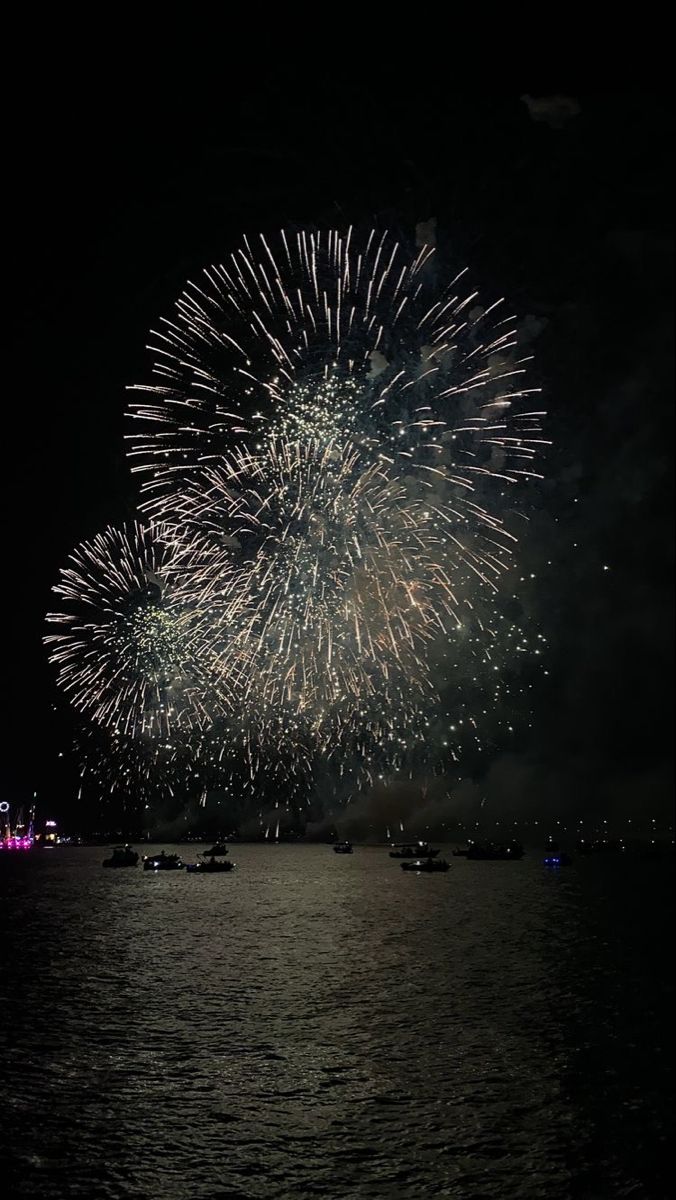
(210, 862)
(416, 856)
(421, 857)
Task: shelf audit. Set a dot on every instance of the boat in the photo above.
(122, 856)
(342, 848)
(162, 862)
(413, 850)
(210, 866)
(426, 864)
(219, 850)
(461, 852)
(559, 859)
(495, 851)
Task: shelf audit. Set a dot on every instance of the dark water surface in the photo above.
(316, 1025)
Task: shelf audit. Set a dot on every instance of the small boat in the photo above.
(495, 851)
(558, 860)
(122, 856)
(461, 852)
(162, 862)
(413, 850)
(219, 850)
(426, 864)
(210, 866)
(342, 848)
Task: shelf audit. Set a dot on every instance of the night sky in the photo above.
(563, 206)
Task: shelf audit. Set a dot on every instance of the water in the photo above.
(319, 1025)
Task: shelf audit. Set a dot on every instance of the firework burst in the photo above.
(351, 433)
(133, 648)
(330, 450)
(319, 339)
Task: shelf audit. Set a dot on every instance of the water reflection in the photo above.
(321, 1024)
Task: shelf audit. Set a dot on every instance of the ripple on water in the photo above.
(317, 1025)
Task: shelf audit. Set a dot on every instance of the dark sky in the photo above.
(564, 207)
